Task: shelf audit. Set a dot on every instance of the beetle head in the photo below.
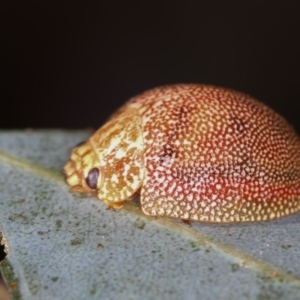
(82, 170)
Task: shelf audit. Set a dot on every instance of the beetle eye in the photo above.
(92, 178)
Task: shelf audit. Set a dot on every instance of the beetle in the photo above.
(193, 152)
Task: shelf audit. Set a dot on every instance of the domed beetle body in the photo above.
(194, 152)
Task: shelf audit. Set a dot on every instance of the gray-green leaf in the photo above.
(66, 246)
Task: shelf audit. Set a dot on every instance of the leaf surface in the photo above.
(67, 246)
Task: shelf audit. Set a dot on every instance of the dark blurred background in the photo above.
(70, 64)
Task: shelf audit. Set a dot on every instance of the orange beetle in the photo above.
(194, 152)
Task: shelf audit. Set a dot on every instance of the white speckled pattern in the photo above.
(216, 155)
